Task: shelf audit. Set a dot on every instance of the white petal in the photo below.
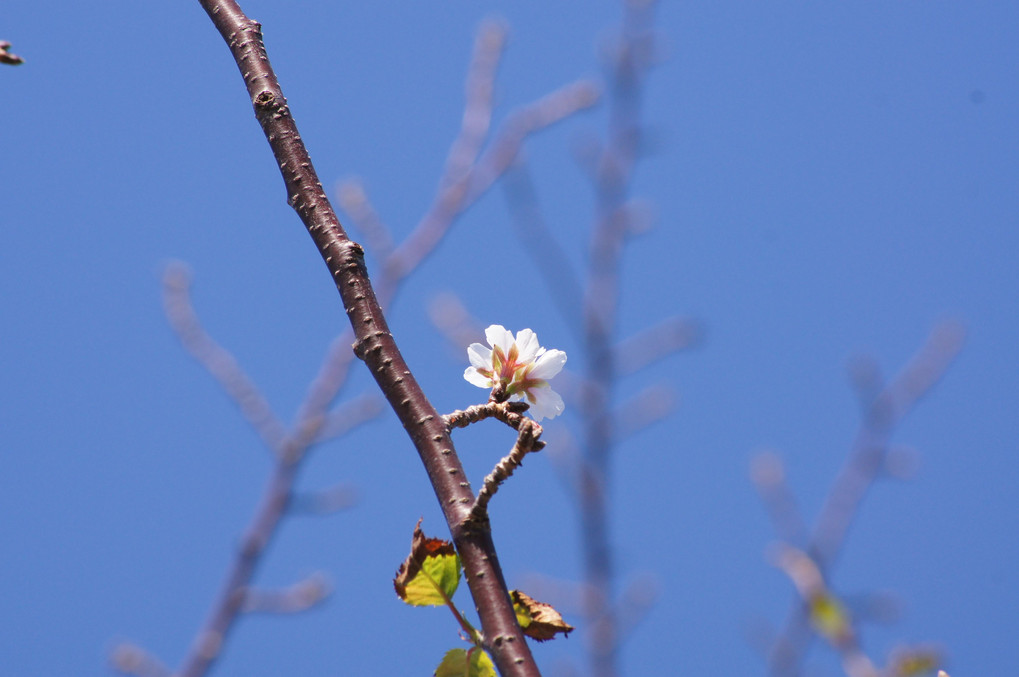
(527, 344)
(547, 403)
(476, 379)
(480, 356)
(498, 336)
(548, 365)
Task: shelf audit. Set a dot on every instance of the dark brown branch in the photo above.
(374, 343)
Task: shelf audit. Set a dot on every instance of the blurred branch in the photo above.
(300, 596)
(549, 257)
(884, 409)
(655, 343)
(627, 65)
(768, 474)
(217, 360)
(457, 193)
(353, 199)
(646, 408)
(866, 459)
(324, 502)
(134, 660)
(8, 57)
(349, 415)
(454, 322)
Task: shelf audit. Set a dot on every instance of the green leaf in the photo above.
(430, 574)
(461, 663)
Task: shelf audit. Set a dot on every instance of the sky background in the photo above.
(829, 180)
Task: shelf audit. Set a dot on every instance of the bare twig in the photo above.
(527, 437)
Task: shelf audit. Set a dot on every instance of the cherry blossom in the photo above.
(520, 367)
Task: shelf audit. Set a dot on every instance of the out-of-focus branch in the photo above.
(352, 413)
(134, 660)
(549, 258)
(217, 360)
(300, 596)
(8, 57)
(457, 193)
(866, 460)
(324, 502)
(655, 343)
(888, 406)
(628, 64)
(645, 408)
(767, 472)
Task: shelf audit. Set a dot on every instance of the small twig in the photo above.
(527, 439)
(218, 361)
(300, 596)
(510, 413)
(7, 57)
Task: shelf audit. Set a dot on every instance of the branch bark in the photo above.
(374, 343)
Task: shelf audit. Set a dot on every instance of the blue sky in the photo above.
(828, 181)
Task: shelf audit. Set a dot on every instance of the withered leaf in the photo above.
(430, 574)
(538, 620)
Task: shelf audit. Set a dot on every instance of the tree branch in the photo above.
(374, 343)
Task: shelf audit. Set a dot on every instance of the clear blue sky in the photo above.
(829, 180)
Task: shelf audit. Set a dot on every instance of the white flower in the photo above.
(521, 366)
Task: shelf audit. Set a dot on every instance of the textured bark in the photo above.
(374, 343)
